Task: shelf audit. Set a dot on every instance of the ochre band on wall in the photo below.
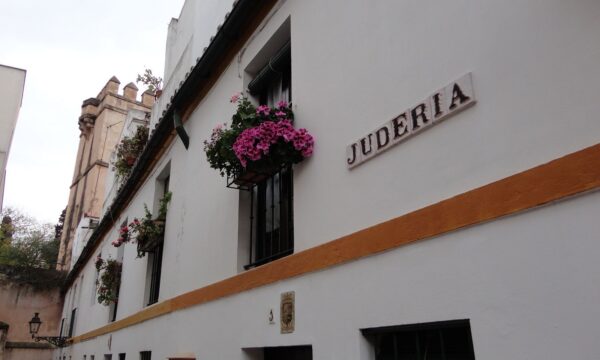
(561, 178)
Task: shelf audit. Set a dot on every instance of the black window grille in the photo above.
(288, 352)
(448, 340)
(114, 306)
(156, 266)
(272, 218)
(72, 323)
(62, 327)
(145, 355)
(271, 202)
(155, 258)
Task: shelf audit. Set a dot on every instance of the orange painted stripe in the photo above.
(570, 175)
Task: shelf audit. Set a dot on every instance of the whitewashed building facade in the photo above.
(12, 86)
(477, 238)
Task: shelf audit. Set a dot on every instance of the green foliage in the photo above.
(163, 205)
(153, 82)
(24, 242)
(129, 150)
(147, 230)
(38, 279)
(219, 149)
(58, 228)
(109, 280)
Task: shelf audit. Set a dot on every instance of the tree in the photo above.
(25, 242)
(58, 228)
(153, 82)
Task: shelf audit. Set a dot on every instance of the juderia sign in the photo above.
(440, 105)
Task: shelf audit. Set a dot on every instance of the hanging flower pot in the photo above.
(130, 160)
(150, 235)
(259, 143)
(147, 232)
(109, 280)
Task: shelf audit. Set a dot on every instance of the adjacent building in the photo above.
(101, 124)
(449, 210)
(23, 292)
(12, 85)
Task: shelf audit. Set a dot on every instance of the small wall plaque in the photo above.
(288, 312)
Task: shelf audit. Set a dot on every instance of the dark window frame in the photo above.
(156, 257)
(416, 339)
(271, 201)
(114, 307)
(72, 322)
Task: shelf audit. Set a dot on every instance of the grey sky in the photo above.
(70, 48)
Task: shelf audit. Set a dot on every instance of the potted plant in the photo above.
(260, 141)
(109, 280)
(154, 83)
(128, 151)
(147, 231)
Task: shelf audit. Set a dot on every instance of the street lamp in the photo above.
(34, 327)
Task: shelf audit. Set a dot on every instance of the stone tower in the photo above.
(100, 124)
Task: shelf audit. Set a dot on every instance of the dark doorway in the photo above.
(288, 353)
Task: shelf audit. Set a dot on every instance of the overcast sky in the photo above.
(70, 48)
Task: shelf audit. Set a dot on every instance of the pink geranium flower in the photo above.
(235, 97)
(263, 109)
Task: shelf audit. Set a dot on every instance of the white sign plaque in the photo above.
(440, 105)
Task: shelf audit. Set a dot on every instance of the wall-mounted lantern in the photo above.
(34, 327)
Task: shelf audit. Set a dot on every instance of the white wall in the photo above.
(524, 281)
(12, 84)
(84, 230)
(186, 39)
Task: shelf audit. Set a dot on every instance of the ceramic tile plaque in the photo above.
(288, 312)
(443, 103)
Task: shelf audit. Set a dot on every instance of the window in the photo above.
(288, 352)
(94, 286)
(302, 352)
(271, 206)
(448, 340)
(155, 255)
(62, 327)
(72, 323)
(145, 355)
(112, 310)
(122, 356)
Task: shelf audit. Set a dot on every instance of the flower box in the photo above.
(248, 178)
(258, 144)
(148, 244)
(148, 233)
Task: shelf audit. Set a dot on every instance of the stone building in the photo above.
(24, 292)
(12, 85)
(449, 210)
(100, 124)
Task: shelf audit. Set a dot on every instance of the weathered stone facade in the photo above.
(101, 122)
(22, 293)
